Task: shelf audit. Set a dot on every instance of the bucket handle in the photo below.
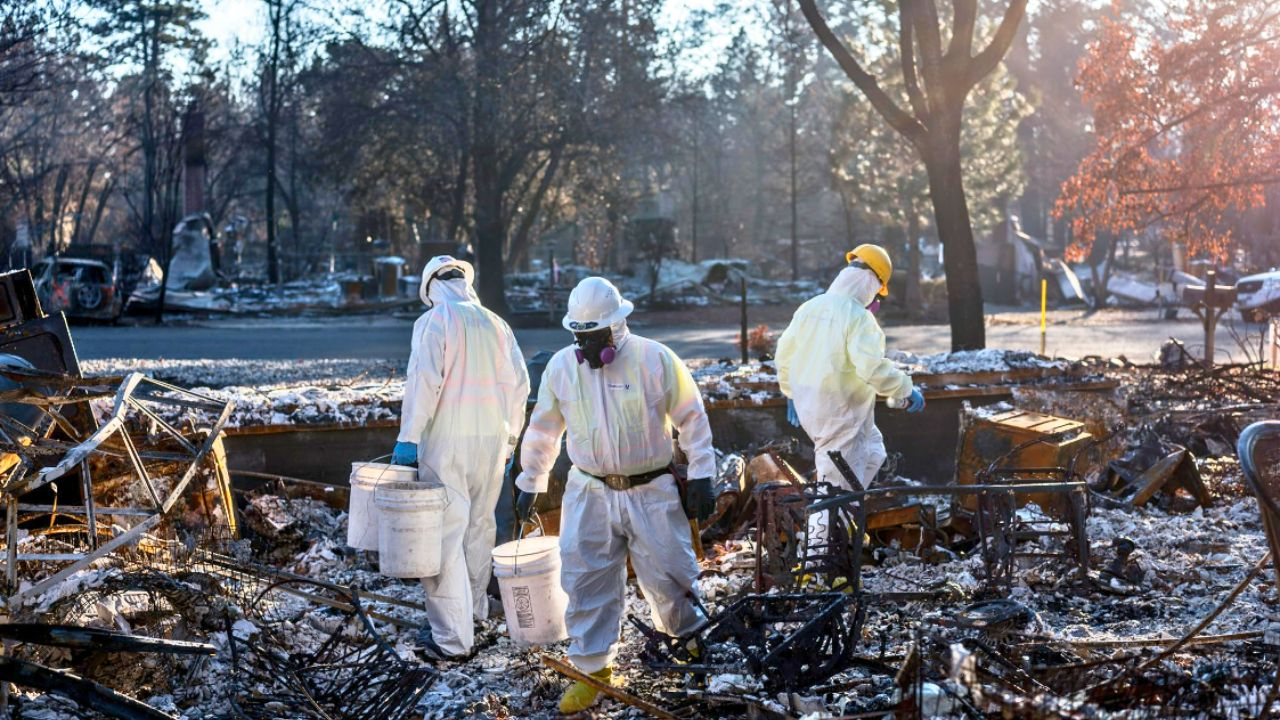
(534, 518)
(370, 500)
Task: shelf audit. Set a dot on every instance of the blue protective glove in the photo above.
(792, 417)
(915, 403)
(405, 453)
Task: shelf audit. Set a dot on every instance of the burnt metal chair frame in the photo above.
(1247, 448)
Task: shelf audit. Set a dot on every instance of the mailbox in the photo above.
(1223, 296)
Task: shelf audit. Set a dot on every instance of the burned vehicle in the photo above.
(79, 287)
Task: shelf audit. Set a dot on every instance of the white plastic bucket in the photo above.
(528, 573)
(362, 515)
(410, 515)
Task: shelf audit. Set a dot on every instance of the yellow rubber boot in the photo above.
(581, 696)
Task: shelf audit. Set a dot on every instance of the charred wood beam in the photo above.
(573, 673)
(74, 636)
(84, 692)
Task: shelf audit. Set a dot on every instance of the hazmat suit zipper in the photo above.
(604, 404)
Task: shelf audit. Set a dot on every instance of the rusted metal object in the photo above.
(28, 332)
(1018, 439)
(1259, 450)
(789, 640)
(87, 638)
(81, 287)
(84, 692)
(1001, 530)
(836, 521)
(780, 524)
(995, 518)
(18, 299)
(353, 675)
(133, 446)
(1153, 467)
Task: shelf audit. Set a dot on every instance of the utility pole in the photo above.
(275, 16)
(696, 162)
(791, 110)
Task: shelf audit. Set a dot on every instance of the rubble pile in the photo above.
(972, 361)
(323, 294)
(347, 392)
(1103, 548)
(958, 374)
(671, 283)
(914, 635)
(275, 393)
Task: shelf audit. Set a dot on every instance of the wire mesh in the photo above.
(973, 677)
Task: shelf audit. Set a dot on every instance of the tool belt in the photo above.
(626, 482)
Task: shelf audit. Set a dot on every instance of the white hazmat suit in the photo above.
(619, 420)
(831, 363)
(464, 402)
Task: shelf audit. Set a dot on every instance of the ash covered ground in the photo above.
(357, 392)
(1185, 562)
(1157, 569)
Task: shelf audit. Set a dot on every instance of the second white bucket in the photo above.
(528, 573)
(410, 515)
(362, 515)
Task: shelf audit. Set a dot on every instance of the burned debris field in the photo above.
(1051, 539)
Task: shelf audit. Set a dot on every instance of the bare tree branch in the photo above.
(906, 46)
(965, 15)
(990, 57)
(897, 118)
(924, 19)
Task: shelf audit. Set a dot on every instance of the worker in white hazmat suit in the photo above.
(464, 401)
(831, 365)
(618, 395)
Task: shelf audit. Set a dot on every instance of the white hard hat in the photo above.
(441, 262)
(594, 304)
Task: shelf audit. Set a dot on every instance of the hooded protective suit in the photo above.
(619, 420)
(465, 392)
(831, 363)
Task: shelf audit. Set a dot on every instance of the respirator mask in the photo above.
(874, 306)
(595, 348)
(448, 273)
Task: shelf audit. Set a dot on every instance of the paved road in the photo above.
(1135, 335)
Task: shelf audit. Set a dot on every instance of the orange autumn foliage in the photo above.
(1186, 113)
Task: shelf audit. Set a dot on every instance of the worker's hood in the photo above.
(449, 291)
(435, 291)
(620, 333)
(858, 283)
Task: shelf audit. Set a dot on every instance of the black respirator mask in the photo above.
(449, 273)
(595, 348)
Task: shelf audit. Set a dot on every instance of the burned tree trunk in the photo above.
(960, 256)
(938, 80)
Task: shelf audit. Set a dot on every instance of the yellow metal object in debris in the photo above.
(1044, 301)
(698, 550)
(1020, 440)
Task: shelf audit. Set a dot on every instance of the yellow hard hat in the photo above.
(875, 259)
